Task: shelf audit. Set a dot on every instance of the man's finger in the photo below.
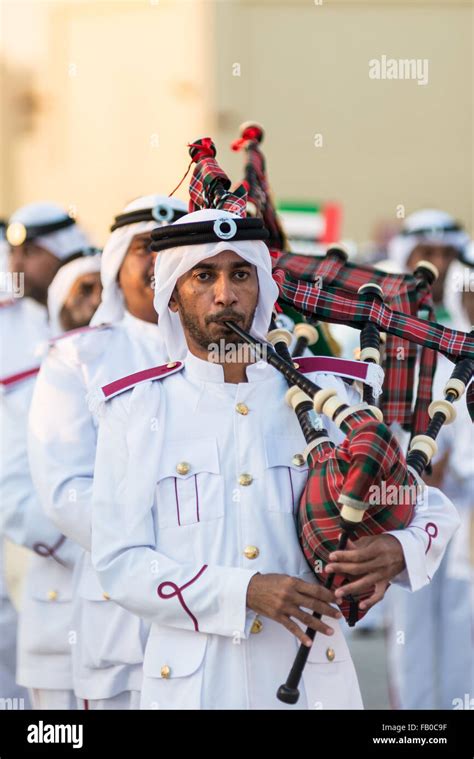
(315, 591)
(354, 568)
(377, 595)
(321, 607)
(356, 554)
(362, 585)
(307, 619)
(296, 631)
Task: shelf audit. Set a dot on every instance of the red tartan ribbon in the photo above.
(342, 307)
(402, 293)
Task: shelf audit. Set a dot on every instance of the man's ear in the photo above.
(174, 301)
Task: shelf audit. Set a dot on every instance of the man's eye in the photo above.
(241, 275)
(203, 276)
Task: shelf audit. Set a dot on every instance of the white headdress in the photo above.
(60, 287)
(111, 308)
(428, 226)
(62, 242)
(172, 263)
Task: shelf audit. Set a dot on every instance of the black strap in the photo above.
(83, 253)
(38, 230)
(437, 231)
(160, 212)
(201, 232)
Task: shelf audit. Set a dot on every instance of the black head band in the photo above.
(435, 231)
(83, 253)
(160, 212)
(18, 233)
(202, 232)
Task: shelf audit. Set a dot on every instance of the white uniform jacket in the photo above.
(44, 623)
(195, 490)
(108, 654)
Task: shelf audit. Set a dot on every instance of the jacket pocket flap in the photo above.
(329, 649)
(185, 458)
(49, 582)
(171, 652)
(285, 451)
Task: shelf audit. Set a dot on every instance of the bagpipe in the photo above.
(338, 501)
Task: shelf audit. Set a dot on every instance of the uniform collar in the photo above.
(139, 325)
(206, 371)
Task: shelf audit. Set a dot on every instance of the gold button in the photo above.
(165, 672)
(257, 626)
(245, 479)
(241, 408)
(52, 595)
(330, 654)
(298, 459)
(183, 467)
(106, 596)
(171, 364)
(251, 552)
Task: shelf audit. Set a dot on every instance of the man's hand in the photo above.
(281, 597)
(374, 560)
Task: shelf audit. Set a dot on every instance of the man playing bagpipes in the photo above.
(199, 472)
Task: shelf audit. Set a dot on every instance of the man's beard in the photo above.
(203, 338)
(35, 292)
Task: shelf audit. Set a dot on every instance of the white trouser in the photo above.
(45, 698)
(430, 644)
(129, 699)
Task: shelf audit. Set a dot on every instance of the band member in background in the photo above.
(109, 642)
(43, 238)
(74, 294)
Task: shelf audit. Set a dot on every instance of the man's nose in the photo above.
(224, 291)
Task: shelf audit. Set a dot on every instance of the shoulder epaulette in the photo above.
(12, 380)
(359, 371)
(131, 380)
(8, 302)
(78, 331)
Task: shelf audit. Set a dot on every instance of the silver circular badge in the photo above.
(162, 212)
(225, 228)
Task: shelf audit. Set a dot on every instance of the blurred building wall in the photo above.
(100, 99)
(304, 74)
(113, 91)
